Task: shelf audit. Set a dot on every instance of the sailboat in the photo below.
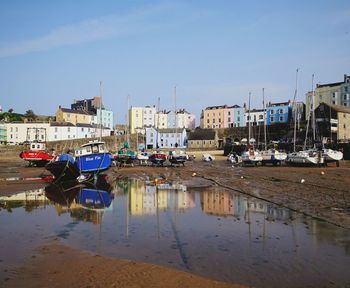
(157, 157)
(272, 155)
(177, 157)
(306, 157)
(251, 156)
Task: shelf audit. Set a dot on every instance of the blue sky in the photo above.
(215, 52)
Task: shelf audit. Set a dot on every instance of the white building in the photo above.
(255, 117)
(61, 131)
(20, 132)
(166, 138)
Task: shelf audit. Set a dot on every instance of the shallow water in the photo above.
(212, 232)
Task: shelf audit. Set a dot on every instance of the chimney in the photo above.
(346, 78)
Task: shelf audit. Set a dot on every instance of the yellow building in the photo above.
(75, 116)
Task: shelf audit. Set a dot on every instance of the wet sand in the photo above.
(320, 192)
(55, 265)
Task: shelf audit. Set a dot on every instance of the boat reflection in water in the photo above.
(84, 201)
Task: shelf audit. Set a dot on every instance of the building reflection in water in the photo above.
(31, 199)
(149, 198)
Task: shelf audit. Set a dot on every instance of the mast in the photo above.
(295, 108)
(100, 110)
(158, 123)
(175, 117)
(265, 141)
(127, 120)
(313, 110)
(249, 118)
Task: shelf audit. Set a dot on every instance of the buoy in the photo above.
(302, 181)
(242, 177)
(194, 174)
(322, 172)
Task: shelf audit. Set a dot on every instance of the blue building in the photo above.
(238, 116)
(278, 112)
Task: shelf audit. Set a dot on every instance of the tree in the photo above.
(10, 110)
(30, 115)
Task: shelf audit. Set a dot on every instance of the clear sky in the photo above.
(215, 52)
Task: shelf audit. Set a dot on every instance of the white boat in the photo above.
(143, 158)
(331, 155)
(305, 158)
(273, 156)
(207, 157)
(234, 158)
(251, 157)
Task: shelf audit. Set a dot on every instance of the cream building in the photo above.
(332, 93)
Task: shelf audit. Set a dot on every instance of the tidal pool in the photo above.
(210, 232)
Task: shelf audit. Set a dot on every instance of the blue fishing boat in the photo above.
(92, 157)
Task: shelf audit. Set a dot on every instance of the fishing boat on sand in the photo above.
(90, 158)
(158, 158)
(177, 157)
(37, 155)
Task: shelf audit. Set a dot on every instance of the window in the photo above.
(238, 118)
(345, 97)
(219, 120)
(333, 102)
(68, 130)
(346, 89)
(207, 120)
(229, 113)
(238, 112)
(82, 129)
(281, 111)
(281, 118)
(229, 119)
(333, 94)
(16, 129)
(56, 129)
(261, 117)
(214, 120)
(272, 119)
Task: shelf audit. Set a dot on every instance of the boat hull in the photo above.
(305, 158)
(63, 170)
(157, 159)
(36, 157)
(94, 163)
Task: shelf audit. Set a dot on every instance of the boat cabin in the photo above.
(93, 147)
(37, 146)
